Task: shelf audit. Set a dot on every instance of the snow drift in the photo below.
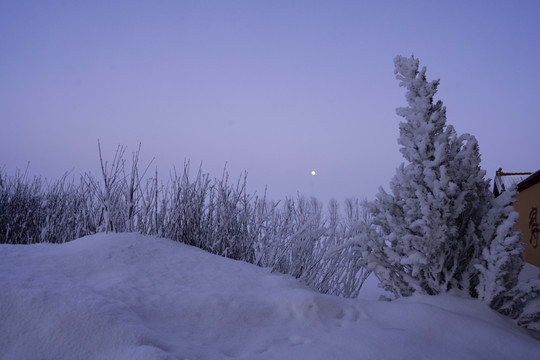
(128, 296)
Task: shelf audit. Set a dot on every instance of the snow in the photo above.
(128, 296)
(503, 181)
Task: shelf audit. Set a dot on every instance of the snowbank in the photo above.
(127, 296)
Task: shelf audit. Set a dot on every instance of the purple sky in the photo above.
(275, 88)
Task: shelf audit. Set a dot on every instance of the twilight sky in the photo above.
(274, 88)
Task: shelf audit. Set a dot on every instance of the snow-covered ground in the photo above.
(127, 296)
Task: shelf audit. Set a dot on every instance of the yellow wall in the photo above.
(529, 219)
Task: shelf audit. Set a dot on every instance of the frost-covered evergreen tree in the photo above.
(500, 265)
(502, 256)
(440, 229)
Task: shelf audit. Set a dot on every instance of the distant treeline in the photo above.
(293, 236)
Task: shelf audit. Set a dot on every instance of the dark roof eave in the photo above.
(530, 181)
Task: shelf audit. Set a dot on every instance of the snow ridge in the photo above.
(129, 296)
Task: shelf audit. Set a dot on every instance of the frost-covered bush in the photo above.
(187, 219)
(337, 265)
(36, 210)
(216, 215)
(440, 229)
(300, 228)
(234, 229)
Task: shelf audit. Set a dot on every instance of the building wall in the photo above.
(528, 206)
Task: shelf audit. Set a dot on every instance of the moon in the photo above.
(313, 173)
